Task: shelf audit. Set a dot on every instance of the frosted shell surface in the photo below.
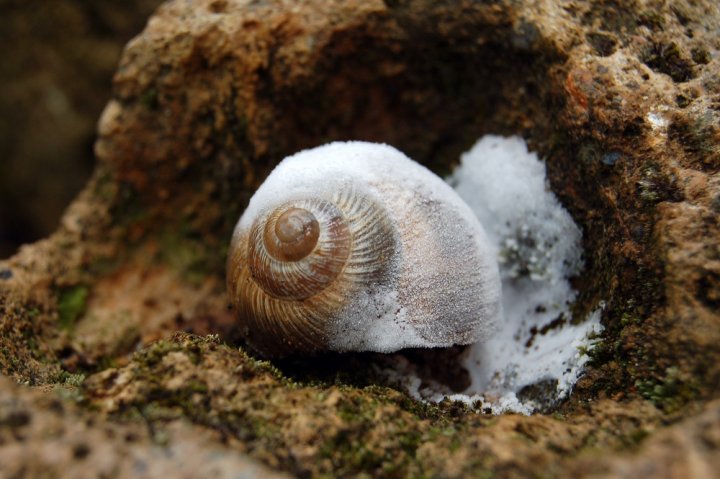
(443, 287)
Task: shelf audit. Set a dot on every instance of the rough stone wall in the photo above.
(621, 99)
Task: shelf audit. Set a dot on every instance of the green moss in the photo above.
(260, 366)
(128, 208)
(599, 352)
(71, 305)
(105, 265)
(697, 135)
(103, 184)
(68, 386)
(183, 255)
(72, 394)
(149, 99)
(372, 431)
(669, 392)
(634, 438)
(70, 379)
(652, 19)
(190, 255)
(355, 409)
(159, 411)
(343, 450)
(152, 355)
(628, 318)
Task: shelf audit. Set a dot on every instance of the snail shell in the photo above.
(355, 247)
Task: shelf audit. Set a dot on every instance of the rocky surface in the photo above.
(44, 434)
(621, 99)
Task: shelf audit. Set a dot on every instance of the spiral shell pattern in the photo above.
(290, 275)
(355, 247)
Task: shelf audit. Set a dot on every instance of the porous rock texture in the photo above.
(121, 305)
(44, 435)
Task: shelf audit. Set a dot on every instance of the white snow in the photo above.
(657, 121)
(389, 331)
(538, 247)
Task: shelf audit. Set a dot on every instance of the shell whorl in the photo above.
(355, 247)
(290, 275)
(292, 235)
(311, 256)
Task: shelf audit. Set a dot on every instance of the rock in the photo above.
(688, 449)
(619, 99)
(44, 435)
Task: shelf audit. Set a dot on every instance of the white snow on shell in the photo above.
(441, 245)
(538, 247)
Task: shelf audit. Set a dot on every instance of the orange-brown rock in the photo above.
(621, 99)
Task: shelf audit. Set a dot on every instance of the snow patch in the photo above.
(538, 247)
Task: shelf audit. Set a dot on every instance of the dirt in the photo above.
(122, 304)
